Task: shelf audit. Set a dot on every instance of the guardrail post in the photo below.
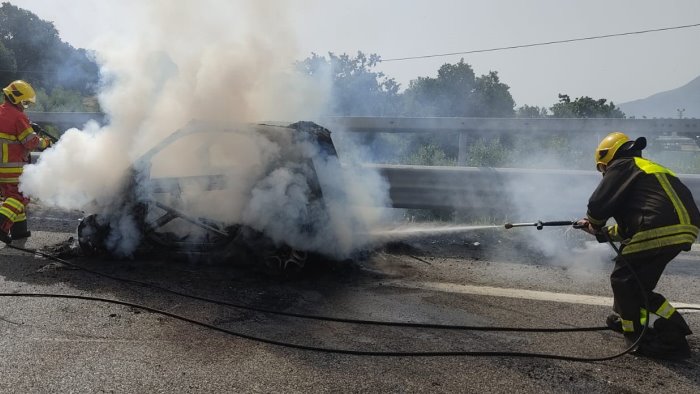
(462, 153)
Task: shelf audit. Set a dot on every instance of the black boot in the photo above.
(666, 347)
(5, 237)
(614, 322)
(5, 225)
(20, 231)
(674, 324)
(669, 342)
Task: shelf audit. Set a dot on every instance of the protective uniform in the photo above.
(17, 140)
(656, 218)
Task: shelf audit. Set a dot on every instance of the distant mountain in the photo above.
(666, 104)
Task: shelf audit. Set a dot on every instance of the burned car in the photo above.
(212, 192)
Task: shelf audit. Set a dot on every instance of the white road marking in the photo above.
(536, 295)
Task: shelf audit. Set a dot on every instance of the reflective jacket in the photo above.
(17, 140)
(651, 206)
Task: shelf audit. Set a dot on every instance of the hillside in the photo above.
(666, 104)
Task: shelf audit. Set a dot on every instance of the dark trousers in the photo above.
(630, 297)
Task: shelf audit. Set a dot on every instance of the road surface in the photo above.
(485, 279)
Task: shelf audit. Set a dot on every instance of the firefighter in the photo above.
(655, 219)
(17, 139)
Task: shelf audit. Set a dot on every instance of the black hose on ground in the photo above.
(319, 348)
(306, 316)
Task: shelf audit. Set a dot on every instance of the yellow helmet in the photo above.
(20, 93)
(611, 144)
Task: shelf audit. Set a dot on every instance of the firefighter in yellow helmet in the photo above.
(655, 219)
(17, 140)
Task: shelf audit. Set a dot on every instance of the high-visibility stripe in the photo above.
(24, 134)
(666, 310)
(8, 214)
(650, 167)
(22, 217)
(664, 231)
(10, 137)
(14, 203)
(683, 216)
(11, 170)
(612, 230)
(614, 233)
(660, 243)
(5, 154)
(643, 316)
(9, 180)
(627, 325)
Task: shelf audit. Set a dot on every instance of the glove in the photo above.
(585, 225)
(45, 143)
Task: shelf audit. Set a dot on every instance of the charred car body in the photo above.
(151, 213)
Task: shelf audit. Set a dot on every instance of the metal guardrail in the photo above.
(561, 192)
(467, 127)
(511, 125)
(496, 192)
(555, 193)
(67, 120)
(421, 125)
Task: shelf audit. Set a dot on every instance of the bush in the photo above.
(430, 155)
(63, 100)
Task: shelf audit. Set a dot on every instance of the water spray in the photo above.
(425, 230)
(540, 224)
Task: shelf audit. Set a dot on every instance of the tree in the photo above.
(458, 92)
(450, 94)
(585, 107)
(62, 100)
(357, 89)
(527, 111)
(7, 60)
(492, 97)
(40, 56)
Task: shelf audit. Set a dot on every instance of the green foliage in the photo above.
(357, 89)
(40, 57)
(450, 94)
(487, 153)
(585, 107)
(62, 100)
(527, 111)
(458, 92)
(492, 97)
(8, 64)
(430, 155)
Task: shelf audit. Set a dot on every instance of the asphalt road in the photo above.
(489, 279)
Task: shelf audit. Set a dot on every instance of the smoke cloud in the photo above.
(223, 63)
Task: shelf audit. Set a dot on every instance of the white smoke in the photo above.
(222, 62)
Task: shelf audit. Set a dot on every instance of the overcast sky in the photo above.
(620, 69)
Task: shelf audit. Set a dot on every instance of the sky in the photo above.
(619, 69)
